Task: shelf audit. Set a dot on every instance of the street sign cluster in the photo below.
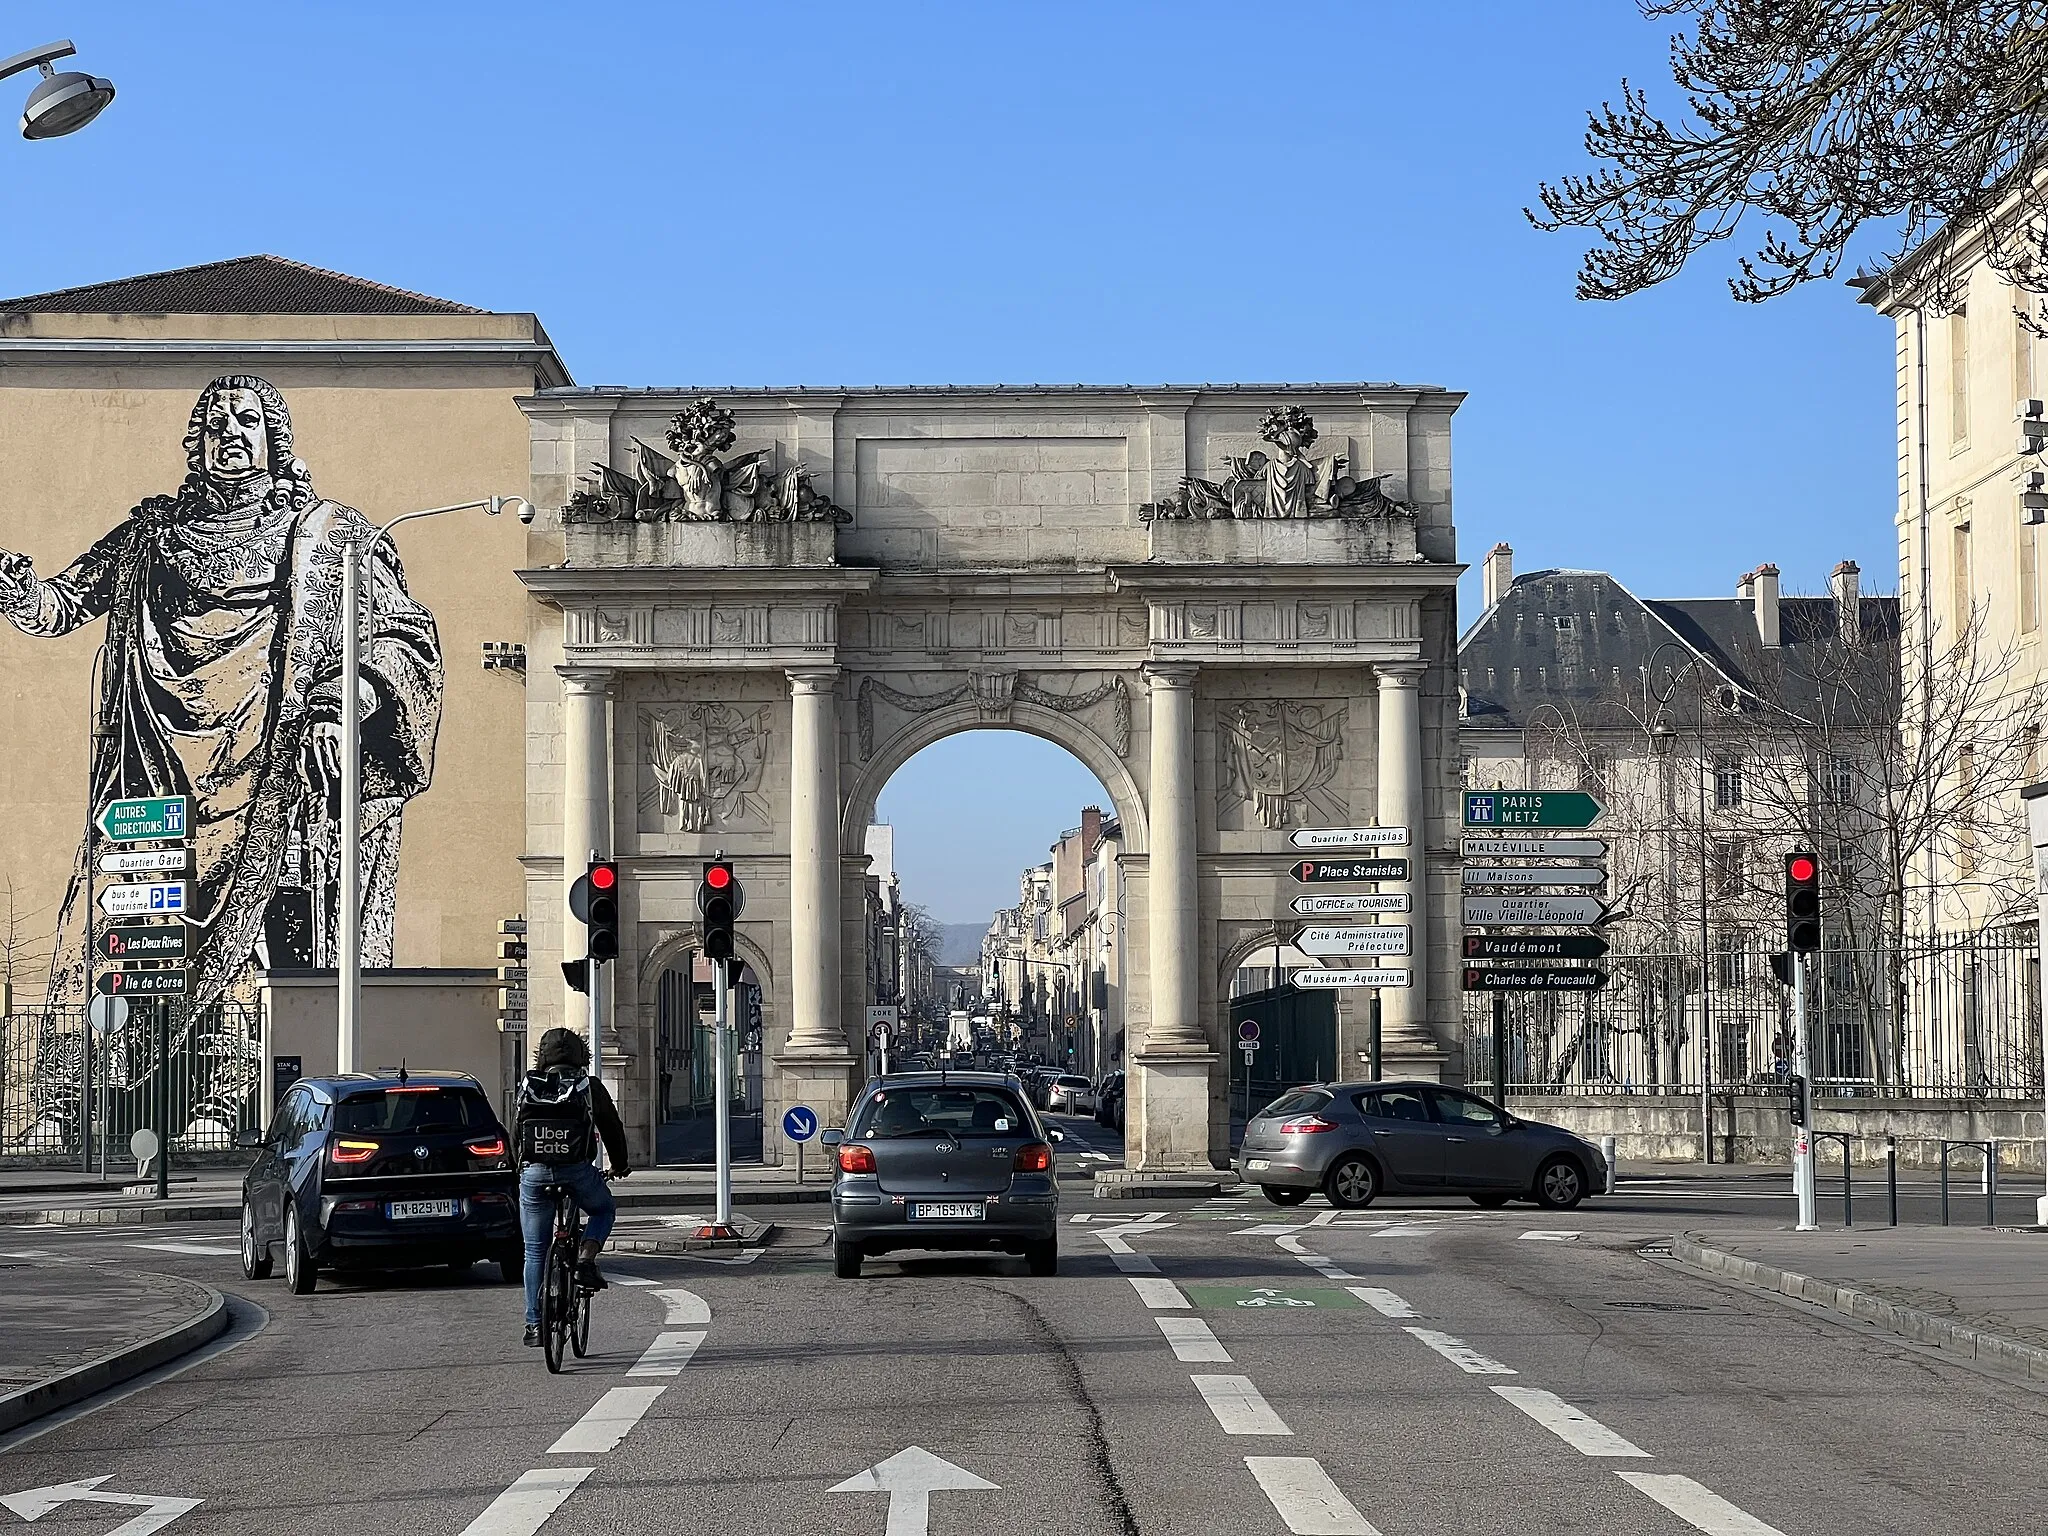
(147, 959)
(512, 977)
(1534, 891)
(1338, 947)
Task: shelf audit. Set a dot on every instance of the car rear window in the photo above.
(400, 1110)
(1073, 1082)
(1297, 1101)
(923, 1111)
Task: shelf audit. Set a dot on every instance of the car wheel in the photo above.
(1352, 1184)
(1044, 1258)
(1560, 1184)
(512, 1270)
(1491, 1202)
(256, 1260)
(846, 1260)
(1279, 1194)
(300, 1272)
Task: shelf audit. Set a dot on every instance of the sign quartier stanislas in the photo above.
(1534, 904)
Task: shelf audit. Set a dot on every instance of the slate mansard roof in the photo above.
(1580, 640)
(244, 285)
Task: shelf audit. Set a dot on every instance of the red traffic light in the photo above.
(603, 876)
(717, 876)
(1801, 867)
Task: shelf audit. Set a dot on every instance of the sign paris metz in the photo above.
(1530, 808)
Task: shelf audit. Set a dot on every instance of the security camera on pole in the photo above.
(719, 902)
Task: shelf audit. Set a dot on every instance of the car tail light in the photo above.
(354, 1151)
(494, 1147)
(1307, 1125)
(855, 1158)
(1033, 1157)
(489, 1200)
(355, 1205)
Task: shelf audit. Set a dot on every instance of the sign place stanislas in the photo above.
(1335, 871)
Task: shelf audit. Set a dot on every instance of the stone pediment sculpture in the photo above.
(699, 484)
(1290, 483)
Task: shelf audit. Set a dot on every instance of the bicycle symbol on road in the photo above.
(1266, 1296)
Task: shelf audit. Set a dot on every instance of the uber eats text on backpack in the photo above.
(556, 1123)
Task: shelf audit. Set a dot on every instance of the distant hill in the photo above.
(962, 943)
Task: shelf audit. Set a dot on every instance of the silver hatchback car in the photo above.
(1357, 1141)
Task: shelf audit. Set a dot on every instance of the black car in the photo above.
(1109, 1100)
(381, 1171)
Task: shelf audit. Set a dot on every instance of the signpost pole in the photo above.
(163, 1102)
(722, 1088)
(85, 1080)
(348, 939)
(1374, 1015)
(1500, 1048)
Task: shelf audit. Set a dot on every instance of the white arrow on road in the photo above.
(158, 1510)
(910, 1478)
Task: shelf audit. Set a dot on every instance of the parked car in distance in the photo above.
(381, 1171)
(1069, 1093)
(1109, 1092)
(948, 1161)
(1357, 1141)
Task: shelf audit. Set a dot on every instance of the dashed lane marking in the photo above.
(686, 1309)
(1550, 1237)
(1135, 1263)
(528, 1504)
(1575, 1427)
(1238, 1406)
(668, 1354)
(1157, 1292)
(1384, 1302)
(1305, 1498)
(194, 1248)
(1461, 1354)
(1193, 1343)
(608, 1422)
(1699, 1507)
(633, 1280)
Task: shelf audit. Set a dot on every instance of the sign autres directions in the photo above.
(144, 819)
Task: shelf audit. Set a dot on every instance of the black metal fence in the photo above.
(1955, 1017)
(58, 1107)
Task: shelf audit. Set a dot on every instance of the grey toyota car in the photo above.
(1357, 1141)
(944, 1160)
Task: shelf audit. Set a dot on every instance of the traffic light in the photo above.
(719, 903)
(594, 900)
(1802, 904)
(1796, 1090)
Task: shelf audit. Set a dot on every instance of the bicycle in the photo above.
(564, 1300)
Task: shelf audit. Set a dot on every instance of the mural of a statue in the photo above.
(219, 679)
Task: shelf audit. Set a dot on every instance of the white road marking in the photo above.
(1238, 1407)
(1114, 1244)
(1461, 1354)
(1576, 1428)
(668, 1354)
(1292, 1245)
(526, 1506)
(608, 1421)
(1192, 1341)
(1386, 1303)
(1078, 1220)
(686, 1309)
(1156, 1293)
(1550, 1237)
(1134, 1263)
(29, 1253)
(1701, 1508)
(203, 1252)
(631, 1280)
(1329, 1272)
(1305, 1498)
(1271, 1229)
(682, 1221)
(1406, 1229)
(1323, 1219)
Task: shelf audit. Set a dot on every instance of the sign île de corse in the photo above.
(1349, 837)
(134, 821)
(1544, 911)
(1351, 906)
(1377, 976)
(1338, 871)
(1530, 808)
(1534, 946)
(1534, 848)
(1386, 939)
(142, 983)
(1560, 979)
(1532, 874)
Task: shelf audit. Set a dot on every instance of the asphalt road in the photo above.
(1193, 1369)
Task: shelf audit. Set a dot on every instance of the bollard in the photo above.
(1848, 1209)
(1991, 1183)
(1607, 1152)
(1944, 1183)
(1891, 1175)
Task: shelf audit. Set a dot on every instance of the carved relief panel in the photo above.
(1279, 763)
(701, 768)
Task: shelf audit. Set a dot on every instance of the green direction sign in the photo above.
(1530, 808)
(1268, 1298)
(134, 821)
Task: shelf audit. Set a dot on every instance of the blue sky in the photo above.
(1102, 192)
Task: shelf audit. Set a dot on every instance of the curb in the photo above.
(2001, 1356)
(753, 1234)
(75, 1385)
(1120, 1184)
(120, 1215)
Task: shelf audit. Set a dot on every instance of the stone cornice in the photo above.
(828, 585)
(402, 351)
(1232, 582)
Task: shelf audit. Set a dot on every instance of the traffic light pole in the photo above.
(721, 984)
(1802, 1084)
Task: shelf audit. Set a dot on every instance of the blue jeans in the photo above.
(537, 1216)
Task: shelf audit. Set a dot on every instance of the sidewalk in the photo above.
(1974, 1291)
(75, 1329)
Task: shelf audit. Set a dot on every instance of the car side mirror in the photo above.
(1054, 1133)
(833, 1137)
(249, 1139)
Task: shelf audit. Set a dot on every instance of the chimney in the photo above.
(1766, 584)
(1091, 830)
(1745, 586)
(1500, 570)
(1847, 586)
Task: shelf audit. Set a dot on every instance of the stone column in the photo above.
(586, 828)
(1405, 1010)
(1174, 1063)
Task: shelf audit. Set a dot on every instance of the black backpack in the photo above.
(556, 1125)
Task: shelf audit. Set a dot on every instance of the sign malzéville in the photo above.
(163, 941)
(143, 897)
(1531, 874)
(142, 983)
(1535, 946)
(143, 861)
(1386, 939)
(135, 821)
(1542, 910)
(1562, 979)
(1351, 906)
(1534, 848)
(1530, 808)
(1349, 837)
(1332, 871)
(1375, 976)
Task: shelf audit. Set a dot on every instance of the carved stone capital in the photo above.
(1400, 674)
(1170, 674)
(812, 679)
(587, 680)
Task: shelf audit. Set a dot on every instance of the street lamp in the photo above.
(1663, 737)
(59, 104)
(358, 615)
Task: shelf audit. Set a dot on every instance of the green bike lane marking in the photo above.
(1268, 1297)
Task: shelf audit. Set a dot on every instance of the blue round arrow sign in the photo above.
(799, 1123)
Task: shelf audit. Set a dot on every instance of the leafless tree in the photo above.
(1820, 117)
(24, 938)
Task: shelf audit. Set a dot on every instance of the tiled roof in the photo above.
(245, 285)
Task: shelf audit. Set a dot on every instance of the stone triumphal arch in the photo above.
(1235, 605)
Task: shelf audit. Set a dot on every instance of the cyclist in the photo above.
(563, 1113)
